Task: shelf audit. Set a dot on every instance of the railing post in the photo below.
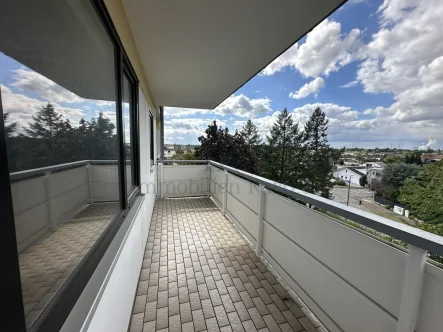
(261, 209)
(91, 191)
(162, 176)
(225, 196)
(52, 221)
(412, 286)
(209, 179)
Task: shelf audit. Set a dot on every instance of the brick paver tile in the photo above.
(162, 318)
(279, 318)
(256, 318)
(185, 312)
(242, 311)
(211, 325)
(293, 322)
(149, 326)
(188, 327)
(195, 301)
(136, 323)
(199, 320)
(249, 326)
(139, 304)
(235, 322)
(208, 309)
(150, 311)
(271, 323)
(174, 307)
(221, 315)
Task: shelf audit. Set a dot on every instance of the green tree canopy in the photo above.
(318, 157)
(282, 156)
(250, 134)
(423, 193)
(219, 145)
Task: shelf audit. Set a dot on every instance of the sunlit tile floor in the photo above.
(199, 274)
(46, 265)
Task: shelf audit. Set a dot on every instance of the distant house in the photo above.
(374, 174)
(430, 158)
(169, 151)
(352, 174)
(373, 164)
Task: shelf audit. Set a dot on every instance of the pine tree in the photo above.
(47, 122)
(9, 128)
(250, 134)
(318, 159)
(281, 160)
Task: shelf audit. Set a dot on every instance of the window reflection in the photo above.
(58, 99)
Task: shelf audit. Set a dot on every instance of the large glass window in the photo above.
(128, 127)
(57, 75)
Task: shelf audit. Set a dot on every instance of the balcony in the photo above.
(55, 230)
(199, 273)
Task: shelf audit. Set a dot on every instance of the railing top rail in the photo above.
(32, 173)
(413, 236)
(171, 161)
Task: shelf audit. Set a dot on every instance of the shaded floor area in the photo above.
(46, 264)
(199, 274)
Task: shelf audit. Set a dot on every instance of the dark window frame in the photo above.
(58, 309)
(151, 138)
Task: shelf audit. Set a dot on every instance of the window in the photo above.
(151, 128)
(128, 135)
(346, 171)
(66, 142)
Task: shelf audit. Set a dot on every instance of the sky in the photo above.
(375, 67)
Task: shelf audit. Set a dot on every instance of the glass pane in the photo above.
(58, 92)
(128, 127)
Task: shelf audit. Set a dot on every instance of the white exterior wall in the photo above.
(345, 173)
(117, 298)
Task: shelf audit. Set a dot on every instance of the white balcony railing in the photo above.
(351, 280)
(45, 197)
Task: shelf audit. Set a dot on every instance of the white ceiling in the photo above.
(196, 53)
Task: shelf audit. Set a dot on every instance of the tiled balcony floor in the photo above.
(199, 274)
(45, 265)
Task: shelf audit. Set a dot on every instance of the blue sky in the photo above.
(374, 67)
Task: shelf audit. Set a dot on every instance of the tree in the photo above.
(282, 156)
(363, 180)
(9, 128)
(423, 193)
(413, 157)
(394, 175)
(317, 159)
(250, 134)
(219, 145)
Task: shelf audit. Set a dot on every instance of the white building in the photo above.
(351, 174)
(169, 151)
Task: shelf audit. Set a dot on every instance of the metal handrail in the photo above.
(413, 236)
(36, 172)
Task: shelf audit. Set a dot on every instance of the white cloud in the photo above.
(432, 144)
(349, 84)
(239, 105)
(31, 81)
(309, 88)
(326, 50)
(405, 58)
(21, 108)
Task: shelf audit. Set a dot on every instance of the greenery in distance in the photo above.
(300, 158)
(51, 140)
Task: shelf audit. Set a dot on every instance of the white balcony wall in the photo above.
(350, 280)
(31, 210)
(183, 180)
